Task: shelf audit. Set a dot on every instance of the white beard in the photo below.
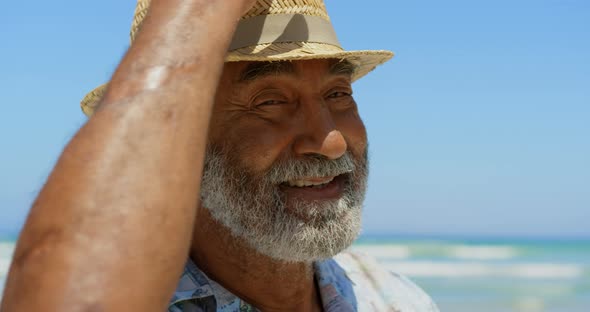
(253, 208)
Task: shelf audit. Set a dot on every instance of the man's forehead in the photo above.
(250, 71)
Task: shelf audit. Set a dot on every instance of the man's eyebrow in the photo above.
(258, 70)
(343, 67)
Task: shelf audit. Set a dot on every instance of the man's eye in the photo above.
(338, 94)
(269, 102)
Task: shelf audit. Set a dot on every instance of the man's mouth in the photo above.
(315, 188)
(313, 182)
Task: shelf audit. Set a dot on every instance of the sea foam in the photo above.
(385, 251)
(486, 269)
(6, 251)
(483, 252)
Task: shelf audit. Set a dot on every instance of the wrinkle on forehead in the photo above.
(258, 70)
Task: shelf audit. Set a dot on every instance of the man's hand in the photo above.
(175, 33)
(247, 5)
(111, 229)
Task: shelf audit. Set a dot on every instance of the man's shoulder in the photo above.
(378, 289)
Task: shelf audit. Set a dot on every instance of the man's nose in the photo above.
(320, 136)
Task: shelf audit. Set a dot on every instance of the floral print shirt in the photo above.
(349, 282)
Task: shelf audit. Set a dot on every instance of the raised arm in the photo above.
(110, 230)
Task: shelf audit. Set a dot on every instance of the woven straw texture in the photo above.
(365, 61)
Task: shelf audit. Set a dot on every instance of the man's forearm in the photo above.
(110, 230)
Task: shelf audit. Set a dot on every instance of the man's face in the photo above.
(286, 164)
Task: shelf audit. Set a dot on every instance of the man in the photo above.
(254, 171)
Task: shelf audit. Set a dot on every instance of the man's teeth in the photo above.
(307, 183)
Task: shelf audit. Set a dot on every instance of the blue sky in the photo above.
(479, 126)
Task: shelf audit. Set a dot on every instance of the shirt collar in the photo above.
(193, 284)
(335, 287)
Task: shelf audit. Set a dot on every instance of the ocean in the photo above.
(483, 275)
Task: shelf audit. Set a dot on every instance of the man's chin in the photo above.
(314, 212)
(300, 238)
(312, 233)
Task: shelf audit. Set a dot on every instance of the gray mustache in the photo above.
(311, 166)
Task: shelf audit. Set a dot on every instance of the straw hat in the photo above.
(274, 30)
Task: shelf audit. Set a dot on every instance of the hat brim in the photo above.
(364, 60)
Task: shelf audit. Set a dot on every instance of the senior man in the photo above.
(251, 164)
